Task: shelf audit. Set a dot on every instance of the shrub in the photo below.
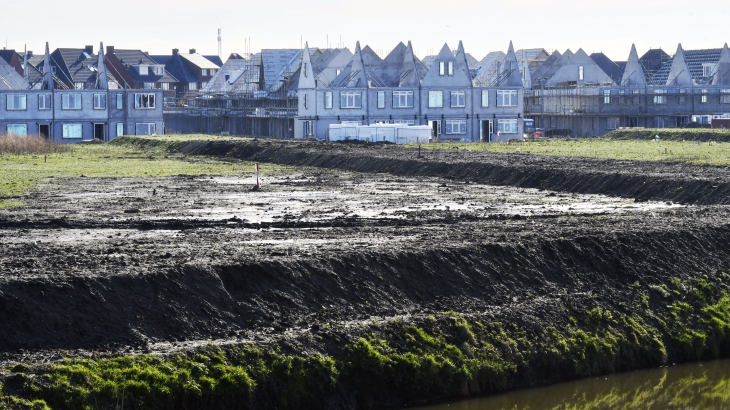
(10, 144)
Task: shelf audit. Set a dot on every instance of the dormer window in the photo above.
(143, 69)
(158, 70)
(707, 69)
(204, 71)
(442, 68)
(451, 68)
(580, 73)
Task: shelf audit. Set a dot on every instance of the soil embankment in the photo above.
(415, 279)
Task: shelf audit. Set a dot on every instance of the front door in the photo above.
(99, 132)
(486, 130)
(43, 130)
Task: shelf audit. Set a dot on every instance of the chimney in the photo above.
(175, 51)
(89, 50)
(192, 51)
(29, 53)
(110, 49)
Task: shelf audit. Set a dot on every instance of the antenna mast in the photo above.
(220, 50)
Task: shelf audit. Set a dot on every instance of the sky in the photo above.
(158, 27)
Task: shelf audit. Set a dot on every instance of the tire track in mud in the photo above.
(686, 184)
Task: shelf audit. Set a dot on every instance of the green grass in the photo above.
(673, 134)
(19, 173)
(716, 154)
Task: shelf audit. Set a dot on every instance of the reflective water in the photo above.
(693, 386)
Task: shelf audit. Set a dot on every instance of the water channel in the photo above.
(697, 386)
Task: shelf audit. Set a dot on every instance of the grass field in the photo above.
(716, 154)
(19, 173)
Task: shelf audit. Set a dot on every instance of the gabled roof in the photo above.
(721, 74)
(199, 61)
(128, 58)
(539, 73)
(568, 68)
(13, 59)
(473, 62)
(461, 78)
(180, 70)
(9, 77)
(74, 65)
(233, 68)
(633, 72)
(654, 59)
(510, 75)
(363, 62)
(387, 74)
(608, 66)
(487, 67)
(306, 73)
(695, 60)
(679, 74)
(409, 76)
(428, 61)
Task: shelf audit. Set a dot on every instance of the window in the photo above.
(350, 99)
(144, 101)
(165, 86)
(71, 101)
(120, 102)
(707, 69)
(72, 131)
(451, 68)
(328, 100)
(148, 86)
(406, 122)
(507, 126)
(78, 86)
(44, 101)
(704, 96)
(506, 98)
(438, 127)
(442, 68)
(635, 98)
(381, 99)
(205, 71)
(17, 130)
(308, 128)
(580, 73)
(725, 96)
(612, 123)
(485, 98)
(454, 127)
(145, 128)
(659, 98)
(337, 72)
(458, 99)
(402, 99)
(213, 71)
(682, 96)
(120, 129)
(607, 96)
(305, 101)
(192, 86)
(304, 68)
(100, 101)
(16, 102)
(435, 99)
(159, 70)
(621, 98)
(355, 123)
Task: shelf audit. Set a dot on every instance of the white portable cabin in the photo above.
(393, 133)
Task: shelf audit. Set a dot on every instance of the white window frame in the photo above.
(507, 126)
(328, 100)
(120, 101)
(458, 99)
(606, 96)
(402, 99)
(406, 122)
(381, 99)
(659, 98)
(435, 99)
(707, 70)
(12, 129)
(44, 101)
(204, 71)
(725, 96)
(485, 98)
(703, 99)
(442, 68)
(506, 98)
(451, 68)
(66, 101)
(120, 129)
(22, 102)
(148, 86)
(350, 100)
(142, 101)
(193, 86)
(581, 73)
(78, 86)
(165, 86)
(150, 126)
(454, 127)
(100, 101)
(305, 101)
(69, 131)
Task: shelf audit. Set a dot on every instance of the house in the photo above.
(191, 70)
(399, 89)
(95, 109)
(136, 69)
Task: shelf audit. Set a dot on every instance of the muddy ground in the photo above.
(101, 266)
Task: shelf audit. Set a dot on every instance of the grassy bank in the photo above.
(671, 134)
(20, 173)
(716, 154)
(392, 363)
